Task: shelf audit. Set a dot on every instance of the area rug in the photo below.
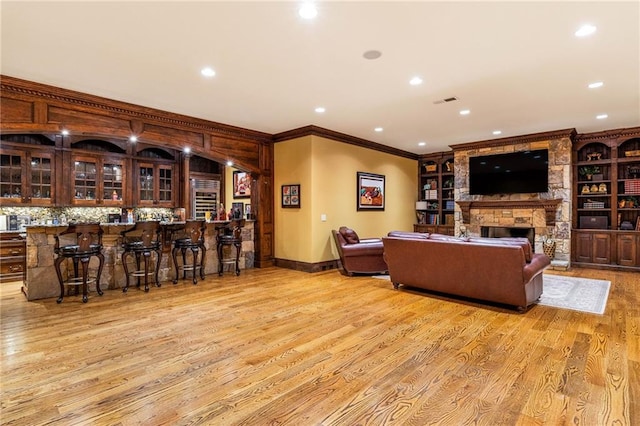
(574, 293)
(578, 294)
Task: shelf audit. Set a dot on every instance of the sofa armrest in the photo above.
(370, 241)
(539, 262)
(373, 248)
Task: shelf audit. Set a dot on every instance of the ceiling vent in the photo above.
(445, 100)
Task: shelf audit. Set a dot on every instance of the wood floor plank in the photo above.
(276, 346)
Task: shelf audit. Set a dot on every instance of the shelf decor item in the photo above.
(634, 153)
(632, 186)
(430, 168)
(588, 171)
(370, 193)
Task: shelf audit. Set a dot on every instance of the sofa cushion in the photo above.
(512, 241)
(412, 235)
(349, 235)
(443, 237)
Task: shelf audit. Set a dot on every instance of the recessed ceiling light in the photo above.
(602, 116)
(320, 110)
(65, 132)
(415, 81)
(229, 163)
(308, 11)
(207, 72)
(378, 129)
(422, 143)
(133, 138)
(187, 150)
(585, 30)
(596, 84)
(465, 112)
(372, 54)
(497, 132)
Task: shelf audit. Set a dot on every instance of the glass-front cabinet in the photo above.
(98, 180)
(156, 184)
(26, 177)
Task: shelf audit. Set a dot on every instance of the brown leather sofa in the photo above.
(359, 255)
(499, 270)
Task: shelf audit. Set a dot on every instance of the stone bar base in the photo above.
(42, 281)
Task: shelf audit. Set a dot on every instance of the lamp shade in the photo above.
(421, 205)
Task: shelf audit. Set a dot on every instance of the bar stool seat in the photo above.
(140, 242)
(88, 243)
(229, 235)
(192, 239)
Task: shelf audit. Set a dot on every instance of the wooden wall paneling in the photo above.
(16, 110)
(171, 137)
(89, 123)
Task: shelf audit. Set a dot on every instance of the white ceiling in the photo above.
(516, 65)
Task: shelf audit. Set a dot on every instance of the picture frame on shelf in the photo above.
(290, 196)
(237, 209)
(241, 184)
(370, 191)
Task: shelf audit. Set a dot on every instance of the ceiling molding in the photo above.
(607, 135)
(23, 87)
(341, 137)
(533, 137)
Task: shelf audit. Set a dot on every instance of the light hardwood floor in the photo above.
(275, 346)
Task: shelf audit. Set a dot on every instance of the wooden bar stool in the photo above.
(87, 243)
(192, 239)
(229, 235)
(140, 242)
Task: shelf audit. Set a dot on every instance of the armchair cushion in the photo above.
(349, 235)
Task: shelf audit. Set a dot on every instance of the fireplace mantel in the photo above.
(550, 207)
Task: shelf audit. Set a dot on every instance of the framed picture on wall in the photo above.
(241, 184)
(370, 191)
(291, 196)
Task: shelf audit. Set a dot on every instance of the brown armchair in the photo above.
(359, 255)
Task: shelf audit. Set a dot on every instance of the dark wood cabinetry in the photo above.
(26, 175)
(156, 186)
(435, 208)
(606, 199)
(13, 254)
(98, 180)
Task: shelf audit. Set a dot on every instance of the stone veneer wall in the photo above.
(559, 146)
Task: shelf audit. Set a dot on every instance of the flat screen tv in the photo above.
(513, 173)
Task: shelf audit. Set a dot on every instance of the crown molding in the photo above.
(533, 137)
(18, 86)
(341, 137)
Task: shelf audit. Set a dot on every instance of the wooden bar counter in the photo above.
(41, 281)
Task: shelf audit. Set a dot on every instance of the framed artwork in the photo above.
(241, 184)
(247, 210)
(291, 196)
(370, 191)
(237, 209)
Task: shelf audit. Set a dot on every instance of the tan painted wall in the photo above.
(326, 170)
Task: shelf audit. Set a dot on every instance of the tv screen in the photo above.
(513, 173)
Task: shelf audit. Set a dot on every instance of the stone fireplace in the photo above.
(548, 214)
(509, 231)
